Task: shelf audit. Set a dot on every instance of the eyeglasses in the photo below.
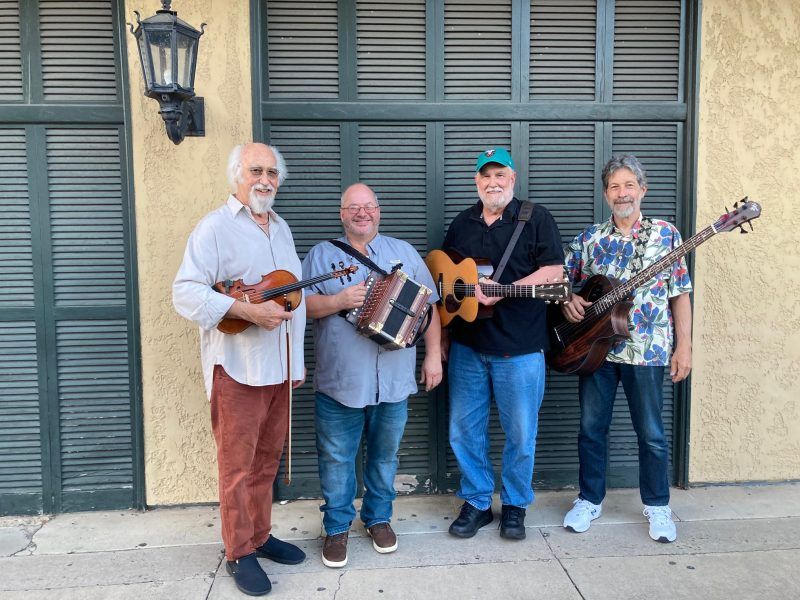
(354, 210)
(258, 173)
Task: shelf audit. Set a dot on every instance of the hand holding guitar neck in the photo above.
(483, 298)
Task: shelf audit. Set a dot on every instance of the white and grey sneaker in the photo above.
(580, 516)
(662, 527)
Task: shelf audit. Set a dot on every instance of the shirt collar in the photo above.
(510, 212)
(613, 229)
(372, 246)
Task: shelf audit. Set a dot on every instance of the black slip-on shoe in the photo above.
(470, 520)
(512, 522)
(280, 552)
(248, 575)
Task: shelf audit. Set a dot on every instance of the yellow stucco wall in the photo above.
(746, 382)
(174, 187)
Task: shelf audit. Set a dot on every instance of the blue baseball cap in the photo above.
(501, 156)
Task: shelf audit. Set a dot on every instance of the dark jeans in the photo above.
(339, 431)
(644, 390)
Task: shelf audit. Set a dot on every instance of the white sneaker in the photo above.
(581, 515)
(662, 527)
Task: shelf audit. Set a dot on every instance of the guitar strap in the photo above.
(525, 212)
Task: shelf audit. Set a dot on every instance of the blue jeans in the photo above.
(339, 430)
(645, 393)
(517, 383)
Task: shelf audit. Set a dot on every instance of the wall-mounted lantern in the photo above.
(168, 51)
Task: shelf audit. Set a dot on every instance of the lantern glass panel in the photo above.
(186, 49)
(144, 55)
(161, 51)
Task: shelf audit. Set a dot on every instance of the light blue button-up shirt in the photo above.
(351, 368)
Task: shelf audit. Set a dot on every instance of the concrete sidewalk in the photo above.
(734, 542)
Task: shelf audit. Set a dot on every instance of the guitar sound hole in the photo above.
(458, 290)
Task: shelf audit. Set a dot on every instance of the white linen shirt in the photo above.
(228, 244)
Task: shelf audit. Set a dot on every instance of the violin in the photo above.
(279, 286)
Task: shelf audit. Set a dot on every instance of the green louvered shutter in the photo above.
(20, 431)
(391, 50)
(89, 270)
(303, 49)
(647, 50)
(563, 50)
(404, 95)
(477, 50)
(78, 51)
(68, 373)
(10, 52)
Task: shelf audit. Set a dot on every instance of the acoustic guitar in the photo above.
(279, 286)
(456, 277)
(582, 347)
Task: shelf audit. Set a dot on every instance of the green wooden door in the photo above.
(404, 95)
(69, 395)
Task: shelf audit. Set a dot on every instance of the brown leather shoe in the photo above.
(384, 539)
(334, 550)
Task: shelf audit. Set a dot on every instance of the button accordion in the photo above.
(393, 310)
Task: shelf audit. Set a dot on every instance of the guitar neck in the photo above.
(499, 290)
(622, 291)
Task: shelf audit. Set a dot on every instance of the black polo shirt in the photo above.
(518, 325)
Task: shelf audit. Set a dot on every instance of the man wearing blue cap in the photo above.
(501, 356)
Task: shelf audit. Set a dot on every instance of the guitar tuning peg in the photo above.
(750, 224)
(727, 209)
(742, 229)
(736, 204)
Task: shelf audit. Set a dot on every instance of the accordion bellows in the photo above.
(393, 310)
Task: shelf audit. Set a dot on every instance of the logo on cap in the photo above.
(489, 152)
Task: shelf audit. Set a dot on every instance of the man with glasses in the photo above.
(245, 374)
(361, 388)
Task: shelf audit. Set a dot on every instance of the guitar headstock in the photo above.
(557, 292)
(743, 212)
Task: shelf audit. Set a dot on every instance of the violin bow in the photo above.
(287, 479)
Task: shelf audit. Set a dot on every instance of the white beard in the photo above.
(624, 211)
(496, 205)
(261, 205)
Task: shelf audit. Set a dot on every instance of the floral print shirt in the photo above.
(602, 249)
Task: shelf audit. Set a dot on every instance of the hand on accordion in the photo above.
(352, 297)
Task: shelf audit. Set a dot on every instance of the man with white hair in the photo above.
(500, 358)
(246, 374)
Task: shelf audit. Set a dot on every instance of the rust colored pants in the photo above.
(249, 425)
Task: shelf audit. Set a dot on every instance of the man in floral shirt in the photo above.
(622, 246)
